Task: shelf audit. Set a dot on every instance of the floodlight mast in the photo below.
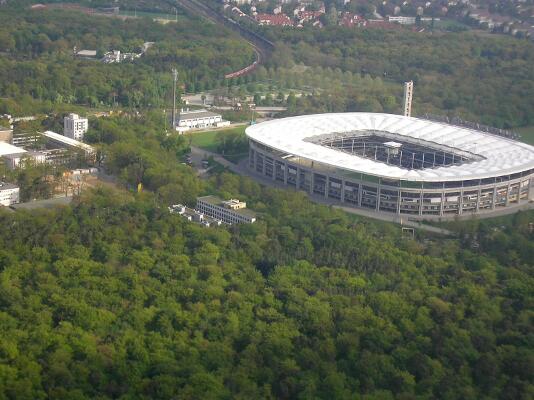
(408, 94)
(175, 78)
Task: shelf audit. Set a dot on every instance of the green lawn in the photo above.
(207, 140)
(527, 134)
(152, 15)
(450, 24)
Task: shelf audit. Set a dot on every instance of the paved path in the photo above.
(48, 203)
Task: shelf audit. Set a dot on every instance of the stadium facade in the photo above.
(395, 164)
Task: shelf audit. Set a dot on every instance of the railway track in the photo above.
(262, 47)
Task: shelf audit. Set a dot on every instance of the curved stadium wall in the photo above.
(395, 164)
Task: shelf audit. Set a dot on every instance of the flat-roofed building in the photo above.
(25, 139)
(9, 194)
(86, 54)
(231, 211)
(198, 119)
(18, 160)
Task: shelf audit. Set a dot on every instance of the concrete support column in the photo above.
(327, 186)
(312, 181)
(398, 201)
(360, 189)
(378, 198)
(508, 194)
(297, 183)
(342, 191)
(461, 203)
(285, 173)
(494, 197)
(442, 203)
(252, 158)
(421, 203)
(479, 194)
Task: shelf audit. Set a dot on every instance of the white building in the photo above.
(402, 20)
(75, 127)
(199, 119)
(9, 194)
(231, 211)
(17, 160)
(394, 164)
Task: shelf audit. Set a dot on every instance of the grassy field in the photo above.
(450, 24)
(207, 140)
(527, 134)
(152, 15)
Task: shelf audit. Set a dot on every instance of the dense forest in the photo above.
(37, 59)
(481, 78)
(114, 297)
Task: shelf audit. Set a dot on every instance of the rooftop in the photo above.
(68, 141)
(489, 155)
(216, 201)
(86, 53)
(193, 114)
(6, 149)
(5, 186)
(274, 19)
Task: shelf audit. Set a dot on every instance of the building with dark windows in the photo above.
(230, 211)
(394, 164)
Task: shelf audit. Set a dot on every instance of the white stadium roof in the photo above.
(501, 156)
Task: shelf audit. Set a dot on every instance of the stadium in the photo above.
(394, 164)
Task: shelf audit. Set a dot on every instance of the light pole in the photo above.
(175, 77)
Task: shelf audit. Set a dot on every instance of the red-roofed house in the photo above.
(308, 16)
(350, 20)
(274, 20)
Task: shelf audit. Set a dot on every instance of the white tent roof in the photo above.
(7, 149)
(501, 156)
(68, 141)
